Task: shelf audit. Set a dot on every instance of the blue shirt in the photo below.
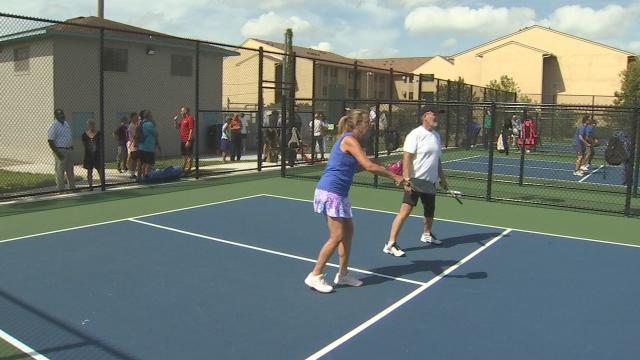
(589, 131)
(338, 175)
(581, 130)
(148, 141)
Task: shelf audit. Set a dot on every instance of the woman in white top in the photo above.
(319, 128)
(225, 141)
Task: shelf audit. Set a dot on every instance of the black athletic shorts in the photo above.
(147, 157)
(186, 151)
(428, 201)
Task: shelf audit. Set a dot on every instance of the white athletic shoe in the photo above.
(427, 238)
(346, 279)
(318, 283)
(584, 167)
(393, 249)
(578, 173)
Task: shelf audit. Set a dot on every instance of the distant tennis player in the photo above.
(331, 197)
(421, 160)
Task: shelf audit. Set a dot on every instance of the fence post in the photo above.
(260, 106)
(419, 92)
(102, 147)
(492, 133)
(630, 171)
(522, 149)
(390, 104)
(636, 153)
(448, 118)
(355, 80)
(313, 110)
(376, 140)
(196, 129)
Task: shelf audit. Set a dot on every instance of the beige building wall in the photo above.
(147, 84)
(582, 68)
(440, 67)
(525, 65)
(26, 100)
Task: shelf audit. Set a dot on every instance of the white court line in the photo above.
(593, 172)
(461, 159)
(475, 224)
(510, 165)
(127, 218)
(341, 340)
(22, 346)
(228, 242)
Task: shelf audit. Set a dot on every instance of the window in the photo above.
(410, 95)
(334, 72)
(181, 65)
(21, 59)
(115, 59)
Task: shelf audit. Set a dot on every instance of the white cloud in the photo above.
(462, 19)
(609, 21)
(365, 53)
(450, 42)
(323, 45)
(271, 24)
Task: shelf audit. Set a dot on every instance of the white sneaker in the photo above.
(346, 279)
(584, 167)
(430, 239)
(318, 283)
(578, 173)
(393, 249)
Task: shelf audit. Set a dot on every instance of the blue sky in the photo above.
(359, 28)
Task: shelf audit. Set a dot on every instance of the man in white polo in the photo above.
(420, 159)
(61, 143)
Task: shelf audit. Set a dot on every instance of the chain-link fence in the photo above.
(516, 152)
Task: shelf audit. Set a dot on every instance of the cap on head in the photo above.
(58, 112)
(431, 108)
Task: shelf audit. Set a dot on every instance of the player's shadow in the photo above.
(476, 275)
(435, 267)
(480, 239)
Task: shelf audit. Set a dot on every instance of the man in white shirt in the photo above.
(420, 159)
(244, 132)
(318, 126)
(61, 143)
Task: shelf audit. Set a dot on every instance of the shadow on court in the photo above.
(81, 339)
(480, 239)
(434, 266)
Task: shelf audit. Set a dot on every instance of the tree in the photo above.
(506, 87)
(629, 94)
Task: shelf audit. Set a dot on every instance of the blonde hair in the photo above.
(352, 120)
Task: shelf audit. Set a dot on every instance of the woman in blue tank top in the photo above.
(331, 197)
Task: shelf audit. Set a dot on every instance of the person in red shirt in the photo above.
(184, 123)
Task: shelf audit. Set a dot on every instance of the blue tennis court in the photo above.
(225, 280)
(540, 169)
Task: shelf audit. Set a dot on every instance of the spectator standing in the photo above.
(225, 142)
(132, 146)
(147, 144)
(91, 140)
(244, 132)
(61, 143)
(319, 128)
(486, 128)
(184, 123)
(235, 130)
(120, 135)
